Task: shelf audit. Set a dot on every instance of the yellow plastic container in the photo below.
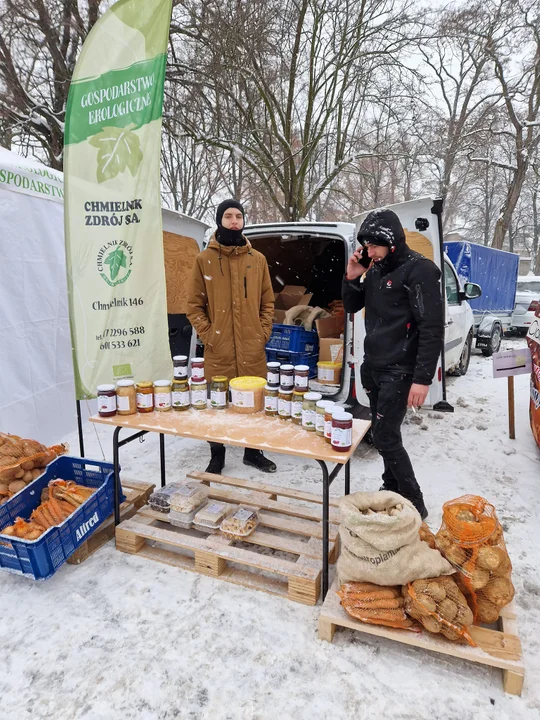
(247, 394)
(329, 373)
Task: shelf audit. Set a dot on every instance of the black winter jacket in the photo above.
(403, 313)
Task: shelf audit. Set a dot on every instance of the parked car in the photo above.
(496, 271)
(314, 256)
(527, 302)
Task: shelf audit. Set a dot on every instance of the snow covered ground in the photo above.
(123, 637)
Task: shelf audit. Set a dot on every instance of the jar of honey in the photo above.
(145, 396)
(126, 397)
(162, 395)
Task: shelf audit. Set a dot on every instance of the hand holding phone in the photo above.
(358, 264)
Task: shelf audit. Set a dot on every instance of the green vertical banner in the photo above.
(114, 238)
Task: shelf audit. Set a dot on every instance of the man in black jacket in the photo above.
(400, 291)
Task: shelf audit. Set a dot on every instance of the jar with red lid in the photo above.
(197, 369)
(342, 431)
(106, 396)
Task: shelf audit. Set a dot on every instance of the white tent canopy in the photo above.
(37, 393)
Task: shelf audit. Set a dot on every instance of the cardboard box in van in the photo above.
(330, 343)
(289, 297)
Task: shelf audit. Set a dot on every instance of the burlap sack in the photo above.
(381, 548)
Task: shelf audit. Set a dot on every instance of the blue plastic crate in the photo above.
(294, 358)
(39, 559)
(293, 339)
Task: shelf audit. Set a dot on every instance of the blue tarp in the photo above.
(496, 271)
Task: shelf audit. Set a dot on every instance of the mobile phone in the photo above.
(365, 260)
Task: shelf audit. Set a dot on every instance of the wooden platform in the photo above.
(292, 526)
(498, 648)
(137, 494)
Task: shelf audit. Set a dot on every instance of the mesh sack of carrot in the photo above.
(375, 605)
(440, 606)
(471, 538)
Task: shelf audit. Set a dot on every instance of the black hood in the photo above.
(383, 227)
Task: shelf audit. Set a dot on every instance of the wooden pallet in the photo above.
(137, 494)
(497, 648)
(284, 526)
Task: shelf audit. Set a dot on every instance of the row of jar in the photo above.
(128, 397)
(288, 377)
(314, 414)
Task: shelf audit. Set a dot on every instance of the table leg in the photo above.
(325, 524)
(116, 471)
(348, 478)
(162, 457)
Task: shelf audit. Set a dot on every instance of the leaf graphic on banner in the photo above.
(115, 261)
(118, 149)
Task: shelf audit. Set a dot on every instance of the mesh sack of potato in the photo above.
(440, 606)
(20, 457)
(376, 605)
(471, 538)
(381, 544)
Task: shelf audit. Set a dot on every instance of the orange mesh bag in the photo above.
(471, 538)
(439, 605)
(375, 605)
(21, 459)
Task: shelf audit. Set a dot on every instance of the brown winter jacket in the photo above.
(231, 306)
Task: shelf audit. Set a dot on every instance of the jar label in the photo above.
(145, 400)
(296, 409)
(271, 403)
(308, 418)
(180, 373)
(162, 400)
(122, 402)
(272, 378)
(197, 373)
(301, 382)
(243, 398)
(342, 437)
(328, 429)
(218, 398)
(107, 403)
(198, 396)
(287, 381)
(284, 407)
(180, 399)
(319, 422)
(327, 374)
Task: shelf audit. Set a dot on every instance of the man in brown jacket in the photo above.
(231, 307)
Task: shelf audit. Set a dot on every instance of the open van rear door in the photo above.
(421, 220)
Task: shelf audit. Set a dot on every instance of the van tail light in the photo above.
(533, 307)
(439, 374)
(353, 392)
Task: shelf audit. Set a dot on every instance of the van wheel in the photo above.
(465, 359)
(494, 341)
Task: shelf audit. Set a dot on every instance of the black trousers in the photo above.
(388, 394)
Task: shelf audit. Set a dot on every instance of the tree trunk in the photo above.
(509, 205)
(536, 233)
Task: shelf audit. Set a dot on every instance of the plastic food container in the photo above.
(329, 373)
(247, 394)
(184, 520)
(210, 517)
(188, 497)
(240, 524)
(160, 500)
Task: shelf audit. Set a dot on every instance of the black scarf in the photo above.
(230, 238)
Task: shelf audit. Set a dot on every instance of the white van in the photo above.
(315, 256)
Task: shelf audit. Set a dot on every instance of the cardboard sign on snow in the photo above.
(512, 362)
